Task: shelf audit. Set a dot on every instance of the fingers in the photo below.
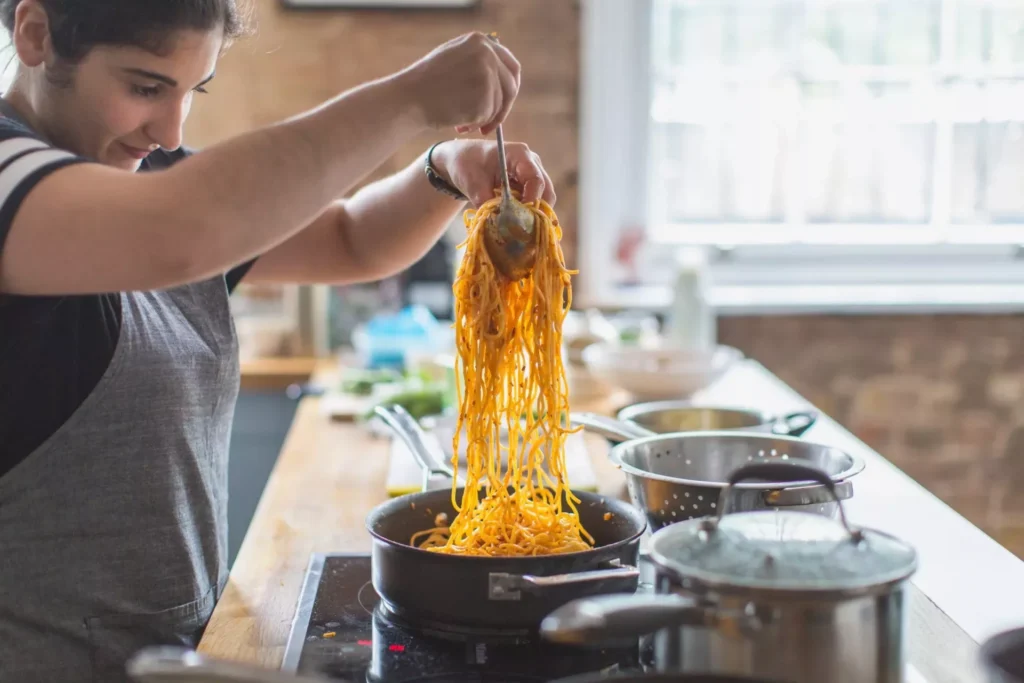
(509, 88)
(527, 169)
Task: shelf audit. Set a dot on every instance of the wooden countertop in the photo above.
(330, 474)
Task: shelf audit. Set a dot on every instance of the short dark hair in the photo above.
(77, 26)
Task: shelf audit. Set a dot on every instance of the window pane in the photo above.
(990, 32)
(726, 173)
(988, 173)
(870, 173)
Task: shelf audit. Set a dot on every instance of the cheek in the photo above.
(124, 114)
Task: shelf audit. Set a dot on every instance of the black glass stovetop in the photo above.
(342, 631)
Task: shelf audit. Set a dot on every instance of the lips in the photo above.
(135, 152)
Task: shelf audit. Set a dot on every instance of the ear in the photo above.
(31, 34)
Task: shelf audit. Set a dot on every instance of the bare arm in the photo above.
(382, 229)
(390, 224)
(88, 228)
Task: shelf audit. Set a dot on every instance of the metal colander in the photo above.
(676, 477)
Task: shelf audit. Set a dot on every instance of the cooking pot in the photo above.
(664, 417)
(775, 593)
(167, 664)
(677, 477)
(1003, 657)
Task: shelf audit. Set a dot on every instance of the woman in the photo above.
(119, 368)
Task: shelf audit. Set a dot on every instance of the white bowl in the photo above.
(659, 372)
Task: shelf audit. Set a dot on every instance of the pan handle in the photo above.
(408, 430)
(788, 471)
(507, 587)
(610, 428)
(604, 617)
(795, 424)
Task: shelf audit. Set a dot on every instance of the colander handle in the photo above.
(784, 471)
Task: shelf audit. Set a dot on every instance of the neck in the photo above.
(21, 102)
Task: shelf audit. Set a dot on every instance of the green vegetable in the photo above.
(362, 382)
(419, 403)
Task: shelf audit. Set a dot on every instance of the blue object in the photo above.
(386, 338)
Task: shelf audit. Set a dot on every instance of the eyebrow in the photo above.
(164, 79)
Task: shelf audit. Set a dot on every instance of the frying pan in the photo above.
(490, 594)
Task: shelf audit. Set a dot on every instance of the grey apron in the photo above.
(113, 533)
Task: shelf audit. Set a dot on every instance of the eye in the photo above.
(146, 90)
(201, 89)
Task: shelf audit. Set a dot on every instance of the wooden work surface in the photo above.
(330, 475)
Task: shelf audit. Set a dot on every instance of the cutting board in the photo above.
(405, 476)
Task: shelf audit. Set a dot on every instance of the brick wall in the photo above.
(941, 396)
(298, 59)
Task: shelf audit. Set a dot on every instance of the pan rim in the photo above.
(583, 495)
(615, 455)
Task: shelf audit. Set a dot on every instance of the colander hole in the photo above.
(750, 457)
(774, 452)
(785, 457)
(673, 514)
(688, 462)
(676, 496)
(687, 494)
(694, 506)
(666, 502)
(700, 497)
(714, 505)
(761, 453)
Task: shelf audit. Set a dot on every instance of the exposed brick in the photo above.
(940, 396)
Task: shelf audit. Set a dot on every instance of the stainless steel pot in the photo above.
(664, 417)
(1003, 657)
(677, 477)
(180, 665)
(778, 594)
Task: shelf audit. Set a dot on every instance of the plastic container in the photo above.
(386, 340)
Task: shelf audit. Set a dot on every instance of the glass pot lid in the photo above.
(781, 550)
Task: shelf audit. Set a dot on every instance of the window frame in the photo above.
(615, 167)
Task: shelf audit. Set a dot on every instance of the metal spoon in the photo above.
(510, 237)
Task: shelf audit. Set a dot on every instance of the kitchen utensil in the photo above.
(1002, 657)
(768, 593)
(510, 236)
(504, 594)
(675, 477)
(659, 372)
(164, 664)
(683, 416)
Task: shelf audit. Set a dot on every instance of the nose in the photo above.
(166, 128)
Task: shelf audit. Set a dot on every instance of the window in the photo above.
(803, 142)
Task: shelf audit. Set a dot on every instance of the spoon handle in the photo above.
(506, 190)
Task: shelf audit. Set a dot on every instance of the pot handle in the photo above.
(409, 431)
(620, 616)
(795, 423)
(785, 471)
(610, 428)
(507, 587)
(170, 664)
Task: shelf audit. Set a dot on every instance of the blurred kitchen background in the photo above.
(832, 186)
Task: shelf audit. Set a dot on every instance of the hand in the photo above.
(469, 83)
(472, 166)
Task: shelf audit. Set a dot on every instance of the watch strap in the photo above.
(437, 181)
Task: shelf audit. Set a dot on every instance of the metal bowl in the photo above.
(665, 417)
(679, 476)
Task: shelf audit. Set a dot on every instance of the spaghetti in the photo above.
(511, 377)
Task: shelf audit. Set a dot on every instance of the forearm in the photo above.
(392, 223)
(257, 190)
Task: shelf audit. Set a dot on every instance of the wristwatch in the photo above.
(437, 180)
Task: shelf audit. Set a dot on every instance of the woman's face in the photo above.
(125, 102)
